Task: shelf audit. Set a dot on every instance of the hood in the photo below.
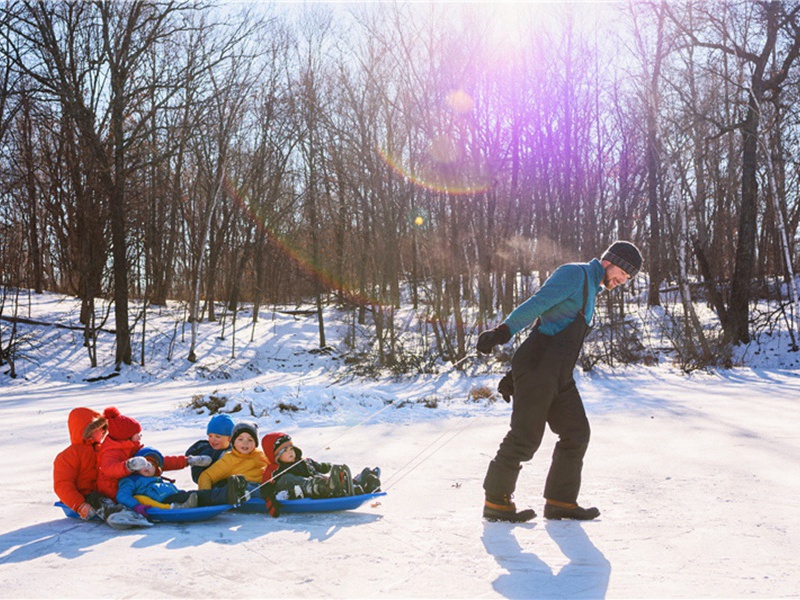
(150, 451)
(268, 444)
(79, 419)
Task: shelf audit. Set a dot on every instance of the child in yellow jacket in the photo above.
(244, 459)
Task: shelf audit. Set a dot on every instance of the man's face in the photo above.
(614, 276)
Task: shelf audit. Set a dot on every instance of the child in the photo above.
(244, 458)
(291, 476)
(75, 468)
(116, 458)
(147, 488)
(219, 432)
(75, 472)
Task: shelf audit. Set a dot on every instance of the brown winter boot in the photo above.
(503, 509)
(553, 509)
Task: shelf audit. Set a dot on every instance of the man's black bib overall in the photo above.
(545, 392)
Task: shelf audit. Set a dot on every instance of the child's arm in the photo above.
(112, 464)
(66, 469)
(220, 470)
(175, 463)
(200, 448)
(319, 467)
(126, 492)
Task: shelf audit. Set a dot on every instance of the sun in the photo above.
(510, 22)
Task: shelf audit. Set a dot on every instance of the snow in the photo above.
(696, 477)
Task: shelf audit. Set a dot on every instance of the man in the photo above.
(544, 388)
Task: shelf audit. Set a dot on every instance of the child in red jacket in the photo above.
(75, 473)
(290, 476)
(116, 458)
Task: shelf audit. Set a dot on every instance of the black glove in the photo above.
(506, 387)
(489, 339)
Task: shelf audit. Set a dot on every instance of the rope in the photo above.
(395, 478)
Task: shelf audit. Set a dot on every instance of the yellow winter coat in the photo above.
(234, 463)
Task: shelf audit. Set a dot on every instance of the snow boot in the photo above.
(237, 489)
(125, 518)
(190, 502)
(342, 481)
(295, 493)
(368, 481)
(318, 486)
(556, 510)
(503, 509)
(119, 516)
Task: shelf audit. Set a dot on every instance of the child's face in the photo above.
(244, 443)
(286, 455)
(219, 442)
(137, 438)
(98, 435)
(149, 470)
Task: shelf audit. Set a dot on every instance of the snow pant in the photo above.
(297, 486)
(544, 393)
(212, 497)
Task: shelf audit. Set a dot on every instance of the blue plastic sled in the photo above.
(311, 505)
(162, 515)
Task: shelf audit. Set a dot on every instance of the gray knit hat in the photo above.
(625, 255)
(245, 427)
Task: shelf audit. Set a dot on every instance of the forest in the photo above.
(441, 158)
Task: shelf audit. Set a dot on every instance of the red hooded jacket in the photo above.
(75, 468)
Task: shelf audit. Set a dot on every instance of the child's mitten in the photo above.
(198, 461)
(137, 463)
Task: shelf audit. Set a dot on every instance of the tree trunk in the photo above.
(739, 312)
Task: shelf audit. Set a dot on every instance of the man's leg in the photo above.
(534, 386)
(567, 419)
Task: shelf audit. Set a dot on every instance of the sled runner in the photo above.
(311, 505)
(162, 515)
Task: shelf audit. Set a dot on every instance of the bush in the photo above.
(212, 403)
(481, 392)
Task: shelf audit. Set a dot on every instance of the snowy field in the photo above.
(696, 477)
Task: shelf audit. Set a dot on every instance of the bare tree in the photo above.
(778, 32)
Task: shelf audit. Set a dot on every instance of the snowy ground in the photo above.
(696, 477)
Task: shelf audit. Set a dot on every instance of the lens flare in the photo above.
(460, 102)
(303, 263)
(445, 178)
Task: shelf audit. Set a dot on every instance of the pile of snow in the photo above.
(694, 475)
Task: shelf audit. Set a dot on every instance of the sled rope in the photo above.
(399, 475)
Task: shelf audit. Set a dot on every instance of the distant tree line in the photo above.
(394, 155)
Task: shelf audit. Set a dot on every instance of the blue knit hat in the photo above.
(220, 425)
(154, 456)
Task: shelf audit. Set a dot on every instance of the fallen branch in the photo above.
(25, 321)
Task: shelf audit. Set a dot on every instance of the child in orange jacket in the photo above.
(75, 467)
(117, 458)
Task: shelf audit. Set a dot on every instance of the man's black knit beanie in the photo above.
(625, 255)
